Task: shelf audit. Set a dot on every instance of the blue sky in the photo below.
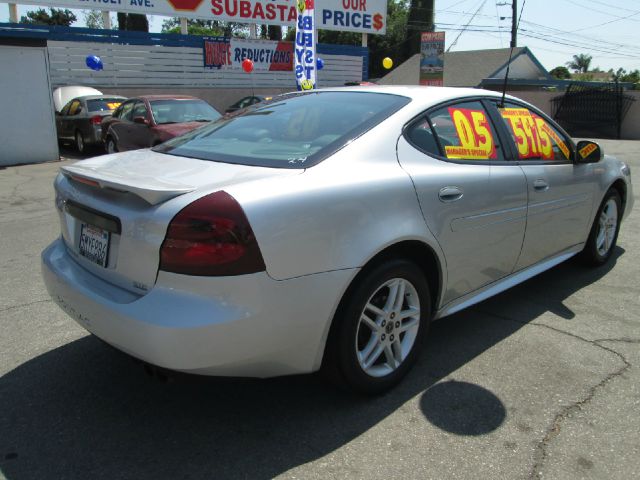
(554, 30)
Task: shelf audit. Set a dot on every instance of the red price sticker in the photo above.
(474, 132)
(532, 134)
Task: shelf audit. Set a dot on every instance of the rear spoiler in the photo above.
(151, 189)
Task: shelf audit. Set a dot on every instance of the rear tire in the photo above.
(604, 231)
(80, 143)
(110, 145)
(379, 328)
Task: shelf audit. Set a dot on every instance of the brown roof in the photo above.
(469, 68)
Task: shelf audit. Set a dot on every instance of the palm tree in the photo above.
(580, 63)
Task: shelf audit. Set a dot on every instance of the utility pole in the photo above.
(514, 23)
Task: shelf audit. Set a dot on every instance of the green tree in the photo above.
(93, 19)
(136, 22)
(622, 75)
(560, 72)
(55, 16)
(580, 63)
(206, 27)
(420, 19)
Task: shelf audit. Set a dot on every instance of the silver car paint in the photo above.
(316, 228)
(481, 233)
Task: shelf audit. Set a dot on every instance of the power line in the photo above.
(469, 23)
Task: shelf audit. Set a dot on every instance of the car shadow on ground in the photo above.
(69, 152)
(85, 410)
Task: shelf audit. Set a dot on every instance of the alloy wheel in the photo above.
(607, 225)
(388, 327)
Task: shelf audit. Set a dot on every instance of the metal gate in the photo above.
(598, 112)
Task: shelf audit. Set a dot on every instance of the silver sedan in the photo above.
(325, 230)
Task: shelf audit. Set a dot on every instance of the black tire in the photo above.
(110, 145)
(594, 254)
(348, 333)
(81, 146)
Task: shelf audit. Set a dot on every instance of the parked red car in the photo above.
(149, 120)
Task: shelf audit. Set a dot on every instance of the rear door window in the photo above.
(103, 104)
(125, 113)
(463, 131)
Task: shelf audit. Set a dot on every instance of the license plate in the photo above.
(94, 244)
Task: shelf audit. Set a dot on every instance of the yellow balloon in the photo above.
(387, 63)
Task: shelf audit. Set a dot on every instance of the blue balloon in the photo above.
(320, 63)
(94, 62)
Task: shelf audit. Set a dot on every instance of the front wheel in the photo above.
(378, 330)
(604, 232)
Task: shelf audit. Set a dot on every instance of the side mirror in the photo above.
(140, 120)
(78, 110)
(588, 152)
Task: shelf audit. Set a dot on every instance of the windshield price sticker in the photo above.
(113, 105)
(474, 132)
(532, 134)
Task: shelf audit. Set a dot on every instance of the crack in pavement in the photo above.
(13, 307)
(553, 431)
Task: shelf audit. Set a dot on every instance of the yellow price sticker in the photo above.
(474, 133)
(588, 150)
(113, 105)
(532, 134)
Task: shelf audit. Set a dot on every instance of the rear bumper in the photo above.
(249, 325)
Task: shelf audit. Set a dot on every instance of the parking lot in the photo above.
(542, 381)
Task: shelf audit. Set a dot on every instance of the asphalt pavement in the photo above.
(542, 381)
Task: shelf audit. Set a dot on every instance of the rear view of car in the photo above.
(80, 120)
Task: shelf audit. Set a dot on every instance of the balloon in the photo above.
(320, 63)
(387, 63)
(94, 62)
(247, 65)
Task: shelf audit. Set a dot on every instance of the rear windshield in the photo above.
(104, 104)
(180, 111)
(290, 131)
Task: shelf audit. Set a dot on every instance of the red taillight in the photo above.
(211, 236)
(96, 120)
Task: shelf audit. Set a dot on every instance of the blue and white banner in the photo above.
(305, 46)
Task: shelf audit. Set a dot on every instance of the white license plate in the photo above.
(94, 244)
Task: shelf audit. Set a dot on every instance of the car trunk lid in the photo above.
(115, 209)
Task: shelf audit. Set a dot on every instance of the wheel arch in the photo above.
(620, 186)
(417, 251)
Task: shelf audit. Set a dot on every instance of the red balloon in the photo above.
(247, 65)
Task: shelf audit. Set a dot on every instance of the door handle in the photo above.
(540, 185)
(450, 194)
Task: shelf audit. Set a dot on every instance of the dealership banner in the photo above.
(228, 53)
(432, 58)
(305, 46)
(367, 16)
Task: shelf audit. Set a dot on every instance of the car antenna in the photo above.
(513, 44)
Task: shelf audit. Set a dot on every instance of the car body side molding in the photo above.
(506, 283)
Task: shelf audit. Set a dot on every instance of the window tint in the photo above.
(180, 111)
(535, 137)
(421, 136)
(125, 113)
(74, 108)
(65, 109)
(103, 104)
(465, 132)
(140, 110)
(292, 131)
